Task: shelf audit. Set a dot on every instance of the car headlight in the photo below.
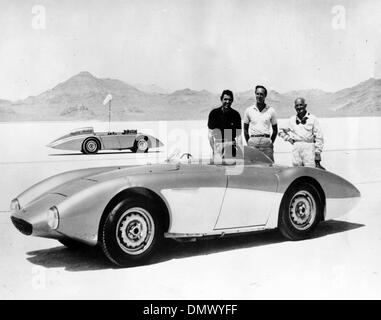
(15, 205)
(53, 217)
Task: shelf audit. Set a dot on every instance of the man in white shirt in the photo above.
(258, 122)
(304, 133)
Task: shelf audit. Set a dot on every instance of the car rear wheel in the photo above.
(132, 232)
(141, 145)
(90, 146)
(301, 210)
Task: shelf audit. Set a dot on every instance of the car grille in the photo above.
(23, 226)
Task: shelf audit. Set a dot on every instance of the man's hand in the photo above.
(284, 134)
(290, 140)
(221, 147)
(218, 147)
(317, 161)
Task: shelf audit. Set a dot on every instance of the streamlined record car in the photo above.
(129, 210)
(87, 141)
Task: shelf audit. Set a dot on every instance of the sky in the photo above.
(199, 44)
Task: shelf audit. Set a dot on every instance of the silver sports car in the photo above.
(129, 210)
(87, 141)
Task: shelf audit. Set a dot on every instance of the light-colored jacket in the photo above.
(308, 132)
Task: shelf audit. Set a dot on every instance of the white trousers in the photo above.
(303, 154)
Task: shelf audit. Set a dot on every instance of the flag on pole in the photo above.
(107, 99)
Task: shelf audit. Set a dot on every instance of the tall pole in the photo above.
(109, 115)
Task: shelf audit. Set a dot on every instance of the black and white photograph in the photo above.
(190, 150)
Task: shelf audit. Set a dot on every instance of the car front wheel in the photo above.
(301, 210)
(132, 232)
(90, 146)
(141, 145)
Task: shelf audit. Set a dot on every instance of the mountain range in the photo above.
(81, 96)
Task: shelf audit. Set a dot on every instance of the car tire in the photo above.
(90, 146)
(132, 232)
(141, 145)
(300, 211)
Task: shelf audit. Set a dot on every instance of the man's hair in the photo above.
(301, 99)
(261, 87)
(228, 93)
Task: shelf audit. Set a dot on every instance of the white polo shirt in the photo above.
(259, 122)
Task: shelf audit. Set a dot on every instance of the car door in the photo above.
(248, 198)
(194, 195)
(110, 141)
(126, 140)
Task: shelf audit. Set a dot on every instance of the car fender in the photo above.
(153, 142)
(81, 213)
(338, 195)
(71, 143)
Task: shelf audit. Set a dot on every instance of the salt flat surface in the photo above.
(341, 261)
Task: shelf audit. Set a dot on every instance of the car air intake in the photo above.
(23, 226)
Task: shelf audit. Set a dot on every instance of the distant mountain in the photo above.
(81, 96)
(78, 111)
(4, 102)
(308, 94)
(150, 88)
(6, 111)
(191, 104)
(365, 98)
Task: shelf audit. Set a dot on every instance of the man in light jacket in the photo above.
(304, 133)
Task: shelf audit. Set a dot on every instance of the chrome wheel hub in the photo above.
(302, 210)
(91, 146)
(142, 145)
(135, 231)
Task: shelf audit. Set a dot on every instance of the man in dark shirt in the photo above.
(224, 125)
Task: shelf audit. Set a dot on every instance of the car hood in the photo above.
(130, 170)
(52, 184)
(90, 177)
(71, 182)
